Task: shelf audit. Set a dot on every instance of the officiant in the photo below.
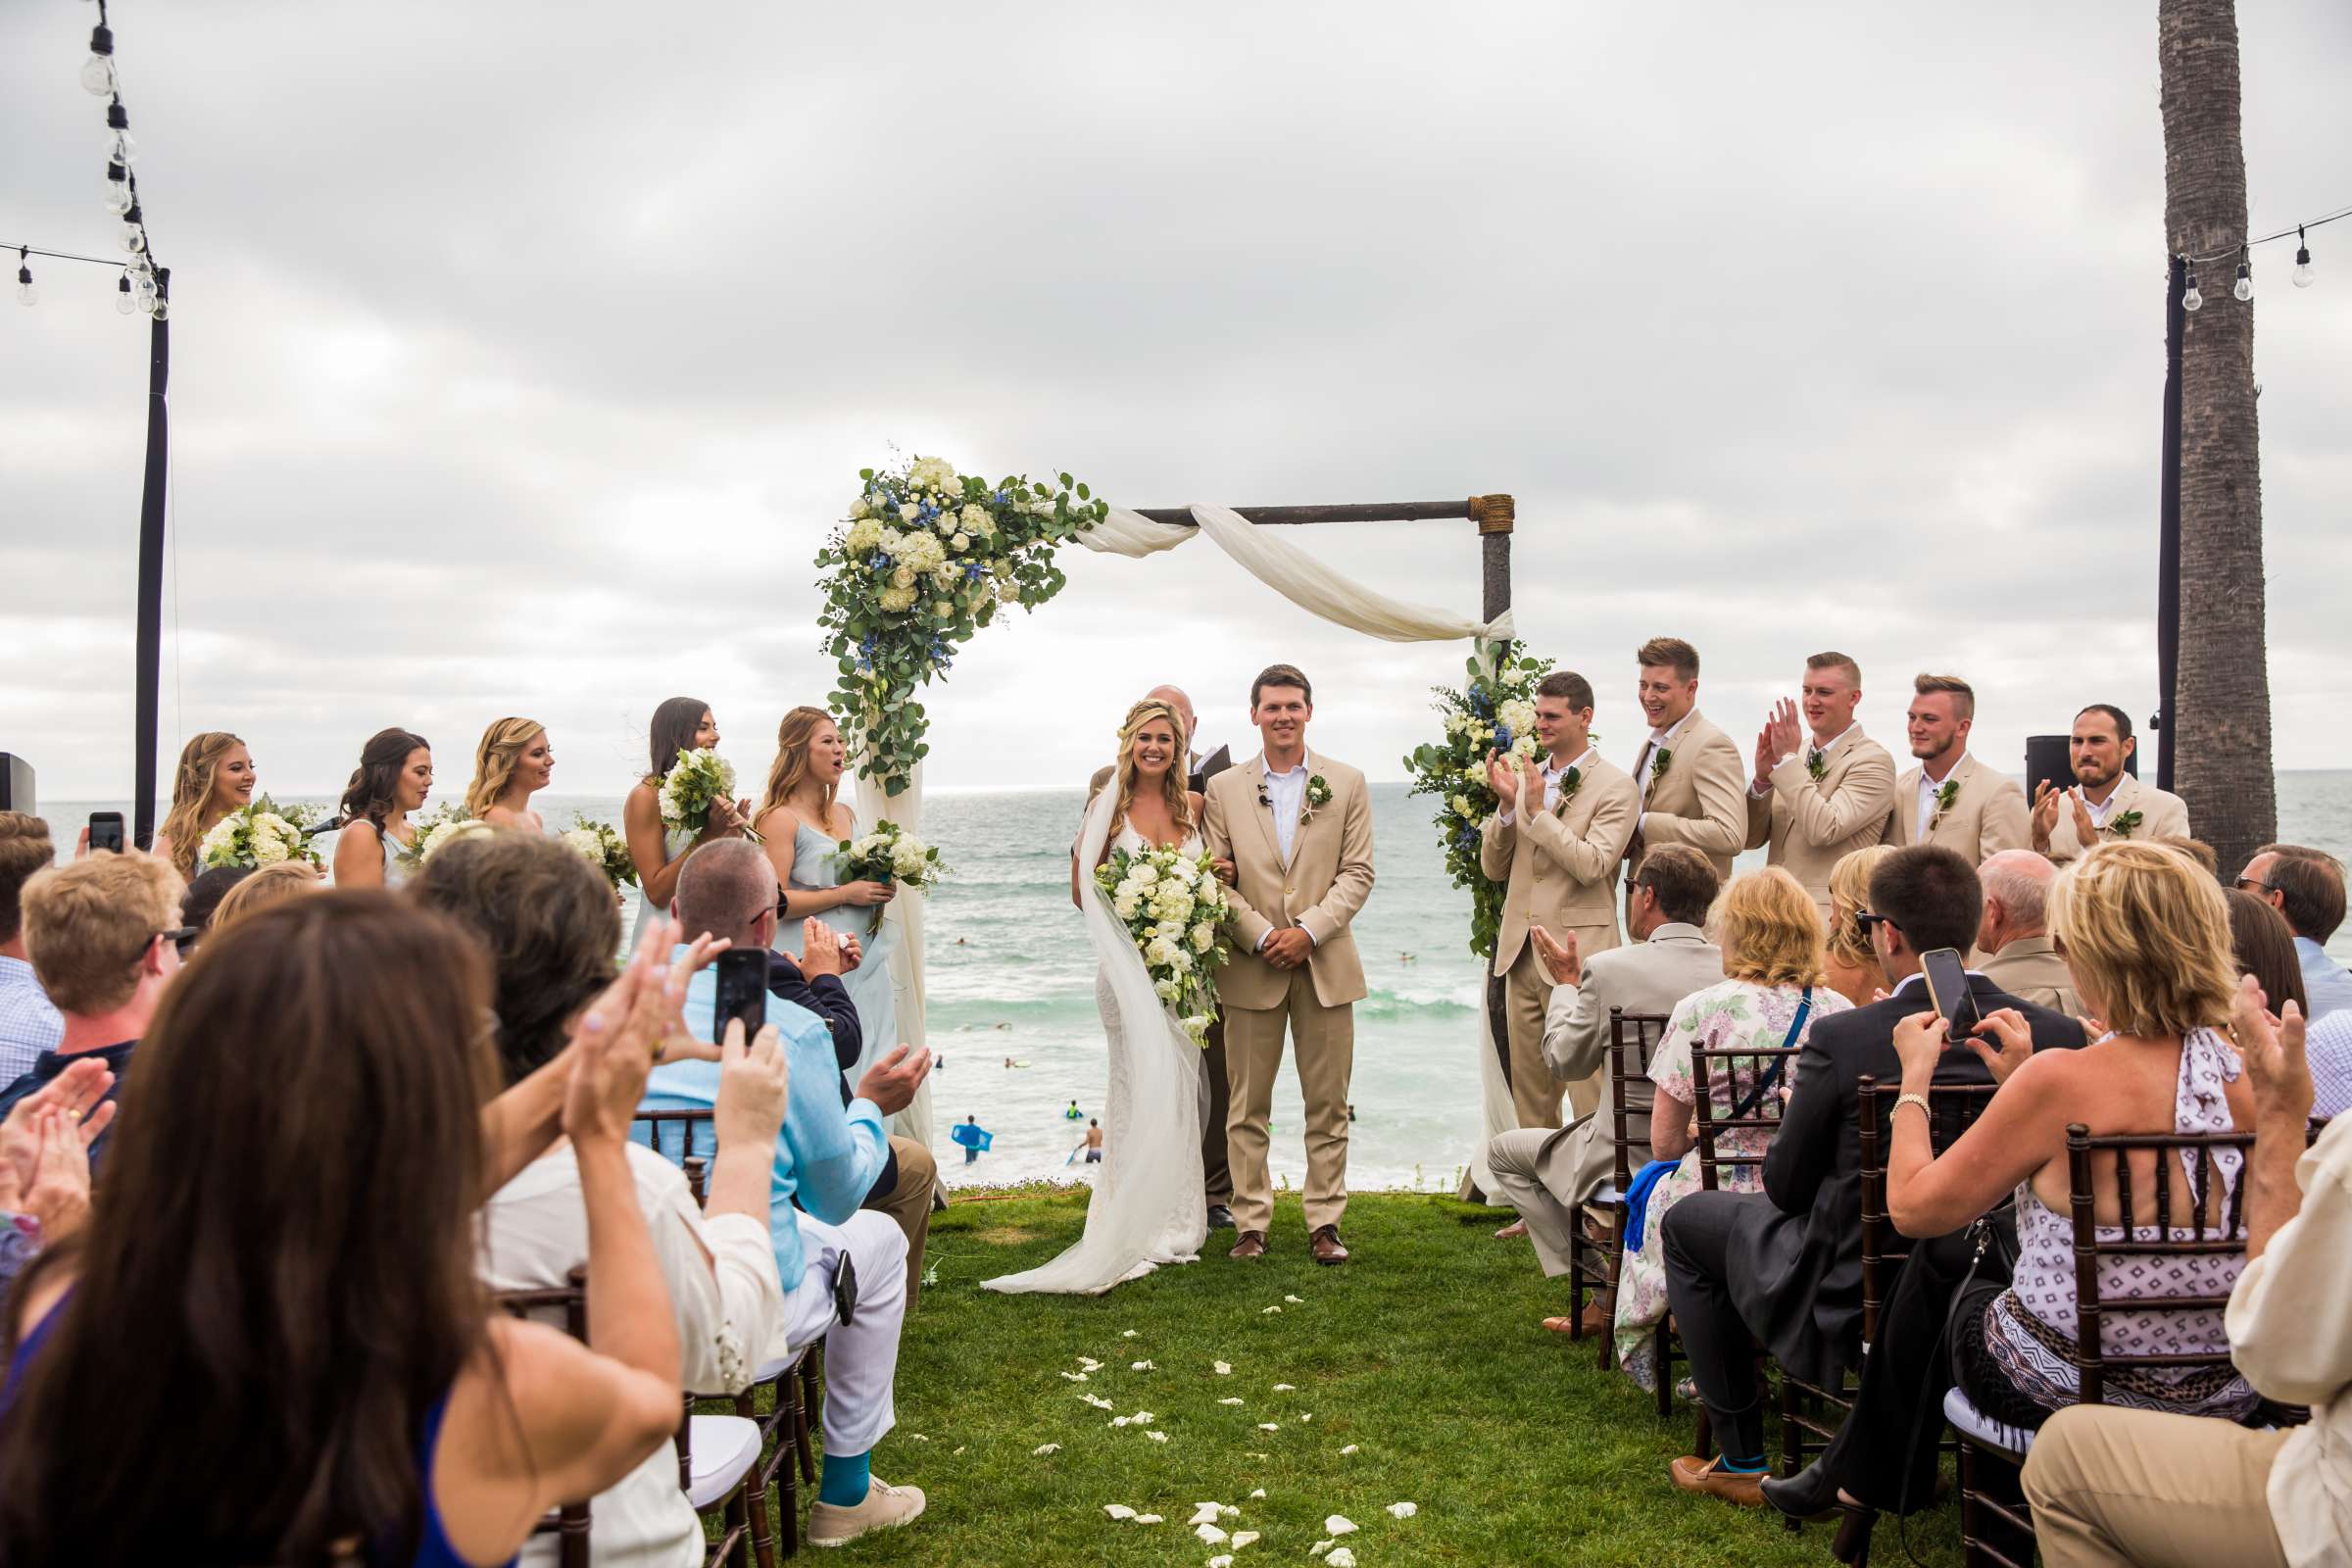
(1215, 1167)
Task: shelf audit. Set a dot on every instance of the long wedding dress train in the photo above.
(1148, 1207)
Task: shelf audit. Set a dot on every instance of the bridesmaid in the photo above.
(216, 777)
(801, 821)
(514, 763)
(394, 776)
(680, 724)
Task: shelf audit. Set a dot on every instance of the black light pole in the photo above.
(151, 565)
(2168, 526)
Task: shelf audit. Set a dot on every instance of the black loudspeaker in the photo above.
(16, 784)
(2047, 758)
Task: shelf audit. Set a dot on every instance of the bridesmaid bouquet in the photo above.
(1495, 710)
(889, 854)
(435, 833)
(262, 833)
(601, 845)
(695, 780)
(1172, 905)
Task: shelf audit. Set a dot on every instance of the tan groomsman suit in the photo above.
(1988, 813)
(1545, 1175)
(2161, 815)
(1319, 888)
(1696, 800)
(2030, 969)
(1811, 822)
(1560, 864)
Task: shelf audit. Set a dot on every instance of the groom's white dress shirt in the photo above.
(1288, 792)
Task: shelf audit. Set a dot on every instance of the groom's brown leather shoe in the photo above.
(1325, 1245)
(1251, 1245)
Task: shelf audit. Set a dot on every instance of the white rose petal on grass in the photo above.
(1318, 1548)
(917, 1437)
(1309, 1416)
(1120, 1420)
(1210, 1534)
(1285, 1388)
(1339, 1524)
(1223, 1559)
(1156, 1436)
(1269, 1311)
(1131, 1334)
(1229, 1401)
(1296, 1301)
(1269, 1426)
(1045, 1448)
(1146, 1519)
(1118, 1510)
(1404, 1510)
(1350, 1448)
(1258, 1494)
(1223, 1369)
(1097, 1402)
(1087, 1363)
(1075, 1376)
(1340, 1557)
(1204, 1513)
(1141, 1366)
(1242, 1538)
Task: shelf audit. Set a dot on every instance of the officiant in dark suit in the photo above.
(1216, 1171)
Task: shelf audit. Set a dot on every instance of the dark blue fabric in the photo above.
(1636, 1199)
(52, 1062)
(433, 1550)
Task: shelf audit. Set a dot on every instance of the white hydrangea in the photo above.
(862, 537)
(583, 842)
(932, 473)
(897, 600)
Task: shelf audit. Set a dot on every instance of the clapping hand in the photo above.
(891, 1082)
(1919, 1040)
(2013, 1043)
(620, 1036)
(754, 1083)
(2086, 832)
(1768, 757)
(79, 1094)
(679, 1042)
(1560, 959)
(821, 950)
(2272, 1048)
(1787, 736)
(2045, 814)
(853, 951)
(59, 1194)
(1503, 781)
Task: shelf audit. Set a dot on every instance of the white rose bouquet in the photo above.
(891, 855)
(1172, 903)
(601, 845)
(695, 780)
(261, 833)
(442, 829)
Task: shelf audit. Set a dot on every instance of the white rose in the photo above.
(1205, 936)
(1126, 889)
(861, 507)
(1008, 594)
(1146, 874)
(910, 863)
(1181, 962)
(1124, 908)
(1463, 809)
(1167, 989)
(909, 512)
(960, 543)
(904, 577)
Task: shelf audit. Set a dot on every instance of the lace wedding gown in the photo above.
(1148, 1207)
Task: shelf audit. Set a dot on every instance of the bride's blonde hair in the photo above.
(1172, 790)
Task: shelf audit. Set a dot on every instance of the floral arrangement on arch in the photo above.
(1495, 712)
(924, 559)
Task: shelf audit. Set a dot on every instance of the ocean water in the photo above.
(1010, 976)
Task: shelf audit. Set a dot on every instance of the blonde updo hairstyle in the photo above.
(192, 815)
(1769, 929)
(503, 745)
(790, 765)
(1850, 896)
(2147, 936)
(1172, 783)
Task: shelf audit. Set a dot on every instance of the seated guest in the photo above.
(206, 890)
(270, 884)
(104, 937)
(825, 1163)
(2207, 857)
(546, 921)
(2331, 1057)
(1785, 1266)
(2118, 1486)
(2147, 939)
(45, 1163)
(1848, 965)
(309, 1138)
(1549, 1175)
(29, 1024)
(2262, 945)
(1769, 999)
(2012, 943)
(2307, 887)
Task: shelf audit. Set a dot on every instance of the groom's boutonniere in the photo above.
(1659, 760)
(1816, 764)
(2122, 823)
(1944, 798)
(1318, 794)
(1570, 782)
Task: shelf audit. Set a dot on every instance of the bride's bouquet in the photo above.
(889, 854)
(601, 845)
(1172, 905)
(261, 833)
(696, 779)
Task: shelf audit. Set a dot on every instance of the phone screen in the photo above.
(1947, 988)
(105, 831)
(742, 991)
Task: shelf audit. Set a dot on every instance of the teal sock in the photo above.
(844, 1484)
(1737, 1467)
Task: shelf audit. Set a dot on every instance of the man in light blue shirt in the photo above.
(2307, 887)
(29, 1024)
(828, 1157)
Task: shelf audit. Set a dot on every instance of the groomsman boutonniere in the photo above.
(1944, 798)
(1659, 761)
(1816, 764)
(1570, 782)
(2122, 823)
(1318, 794)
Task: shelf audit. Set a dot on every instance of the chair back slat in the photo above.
(1633, 1038)
(677, 1133)
(569, 1524)
(1764, 1112)
(1952, 1108)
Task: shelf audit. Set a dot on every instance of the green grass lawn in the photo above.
(1424, 1353)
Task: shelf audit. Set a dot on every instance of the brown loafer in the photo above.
(1251, 1245)
(1707, 1478)
(1325, 1245)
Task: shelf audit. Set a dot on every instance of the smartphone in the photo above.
(741, 991)
(1947, 989)
(105, 831)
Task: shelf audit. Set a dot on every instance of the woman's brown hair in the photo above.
(191, 815)
(276, 1288)
(2264, 946)
(375, 783)
(672, 732)
(792, 766)
(1171, 785)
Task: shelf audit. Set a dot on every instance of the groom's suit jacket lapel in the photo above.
(1264, 815)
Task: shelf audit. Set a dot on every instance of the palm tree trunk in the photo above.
(2220, 706)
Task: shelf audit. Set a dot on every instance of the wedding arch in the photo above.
(927, 557)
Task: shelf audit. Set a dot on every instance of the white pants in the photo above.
(861, 1355)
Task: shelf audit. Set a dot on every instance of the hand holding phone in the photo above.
(742, 991)
(106, 832)
(1948, 990)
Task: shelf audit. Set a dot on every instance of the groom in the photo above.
(1297, 828)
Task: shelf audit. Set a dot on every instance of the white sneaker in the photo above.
(885, 1506)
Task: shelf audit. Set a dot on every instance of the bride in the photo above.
(1148, 1207)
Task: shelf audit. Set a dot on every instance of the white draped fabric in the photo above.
(907, 958)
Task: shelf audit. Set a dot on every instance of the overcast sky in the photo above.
(524, 355)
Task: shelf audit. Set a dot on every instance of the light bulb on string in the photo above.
(134, 237)
(143, 271)
(124, 302)
(98, 71)
(120, 146)
(160, 309)
(2190, 299)
(2304, 275)
(118, 198)
(28, 292)
(2243, 288)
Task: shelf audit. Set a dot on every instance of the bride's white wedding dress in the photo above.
(1148, 1207)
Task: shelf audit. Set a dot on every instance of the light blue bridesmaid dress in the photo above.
(868, 984)
(675, 841)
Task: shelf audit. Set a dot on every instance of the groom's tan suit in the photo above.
(1319, 889)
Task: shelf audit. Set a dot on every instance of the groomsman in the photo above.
(1950, 798)
(1814, 799)
(1297, 828)
(1687, 772)
(1556, 842)
(1216, 1173)
(2105, 803)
